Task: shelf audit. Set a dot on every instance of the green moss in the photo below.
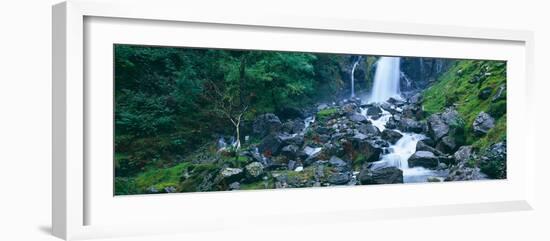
(199, 177)
(327, 113)
(125, 186)
(358, 161)
(236, 162)
(160, 177)
(453, 88)
(497, 109)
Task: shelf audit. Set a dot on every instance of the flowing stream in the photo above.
(386, 86)
(353, 77)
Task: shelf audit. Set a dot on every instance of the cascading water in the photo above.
(386, 80)
(386, 85)
(353, 77)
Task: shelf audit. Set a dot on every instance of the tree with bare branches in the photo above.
(228, 106)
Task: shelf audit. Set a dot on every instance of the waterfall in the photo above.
(353, 76)
(386, 80)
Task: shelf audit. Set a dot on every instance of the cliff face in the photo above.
(417, 73)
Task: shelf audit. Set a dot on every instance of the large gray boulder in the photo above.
(266, 124)
(270, 145)
(361, 144)
(483, 123)
(374, 111)
(410, 125)
(337, 162)
(423, 159)
(493, 161)
(391, 136)
(340, 178)
(350, 108)
(297, 140)
(463, 154)
(386, 175)
(369, 130)
(254, 171)
(293, 126)
(437, 127)
(230, 175)
(356, 117)
(422, 146)
(447, 144)
(290, 151)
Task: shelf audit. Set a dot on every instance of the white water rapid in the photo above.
(386, 85)
(353, 77)
(386, 80)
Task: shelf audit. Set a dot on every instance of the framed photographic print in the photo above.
(180, 121)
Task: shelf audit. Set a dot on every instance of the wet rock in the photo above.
(493, 161)
(312, 158)
(483, 123)
(290, 151)
(386, 175)
(422, 146)
(437, 128)
(395, 101)
(294, 139)
(350, 108)
(340, 178)
(336, 161)
(463, 154)
(270, 145)
(369, 130)
(356, 117)
(374, 111)
(360, 144)
(391, 136)
(410, 125)
(393, 122)
(230, 175)
(293, 127)
(463, 172)
(423, 159)
(266, 124)
(447, 144)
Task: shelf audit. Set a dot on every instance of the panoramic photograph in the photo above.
(205, 119)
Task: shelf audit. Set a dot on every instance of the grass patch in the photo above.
(454, 88)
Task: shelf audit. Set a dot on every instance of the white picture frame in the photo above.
(74, 200)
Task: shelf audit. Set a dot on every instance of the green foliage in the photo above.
(460, 87)
(162, 104)
(325, 114)
(497, 109)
